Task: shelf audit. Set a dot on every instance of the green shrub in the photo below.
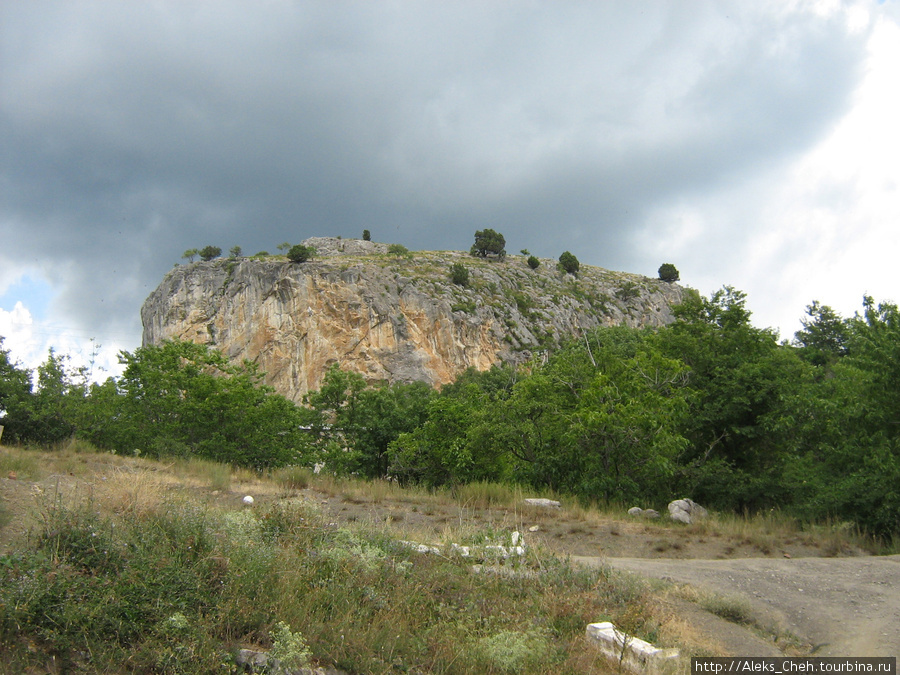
(398, 250)
(300, 253)
(533, 262)
(569, 263)
(459, 274)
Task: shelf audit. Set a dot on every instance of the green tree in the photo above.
(668, 272)
(741, 378)
(207, 253)
(300, 253)
(190, 254)
(284, 247)
(569, 263)
(43, 412)
(824, 336)
(533, 262)
(380, 415)
(488, 242)
(367, 236)
(15, 398)
(459, 274)
(181, 398)
(236, 252)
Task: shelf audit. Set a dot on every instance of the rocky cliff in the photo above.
(390, 317)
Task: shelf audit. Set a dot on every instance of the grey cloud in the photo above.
(133, 131)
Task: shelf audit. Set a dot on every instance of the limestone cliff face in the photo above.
(396, 318)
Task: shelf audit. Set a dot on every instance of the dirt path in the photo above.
(840, 606)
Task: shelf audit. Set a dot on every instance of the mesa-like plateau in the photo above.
(394, 317)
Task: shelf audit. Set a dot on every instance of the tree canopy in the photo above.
(207, 253)
(488, 242)
(300, 253)
(569, 263)
(668, 272)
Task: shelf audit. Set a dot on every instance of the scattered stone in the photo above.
(635, 511)
(686, 511)
(650, 513)
(638, 512)
(252, 661)
(421, 548)
(12, 475)
(630, 652)
(248, 500)
(493, 551)
(534, 528)
(550, 503)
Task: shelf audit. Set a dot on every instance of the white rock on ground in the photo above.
(632, 653)
(535, 501)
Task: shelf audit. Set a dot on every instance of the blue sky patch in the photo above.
(35, 294)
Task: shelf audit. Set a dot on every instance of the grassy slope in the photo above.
(112, 564)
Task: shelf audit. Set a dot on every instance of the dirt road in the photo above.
(840, 606)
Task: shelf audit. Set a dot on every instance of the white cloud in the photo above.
(824, 227)
(28, 343)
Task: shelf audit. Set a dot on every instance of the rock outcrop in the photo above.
(391, 317)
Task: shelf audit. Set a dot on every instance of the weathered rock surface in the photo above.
(686, 511)
(389, 317)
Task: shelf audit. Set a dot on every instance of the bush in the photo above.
(569, 263)
(459, 274)
(367, 236)
(398, 250)
(533, 262)
(207, 253)
(668, 272)
(300, 253)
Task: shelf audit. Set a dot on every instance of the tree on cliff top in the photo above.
(300, 253)
(488, 242)
(207, 253)
(668, 272)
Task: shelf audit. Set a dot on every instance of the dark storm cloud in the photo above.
(133, 131)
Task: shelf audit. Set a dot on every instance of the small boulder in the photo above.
(635, 511)
(686, 511)
(650, 513)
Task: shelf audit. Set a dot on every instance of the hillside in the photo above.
(395, 317)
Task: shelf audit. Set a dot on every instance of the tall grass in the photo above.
(180, 588)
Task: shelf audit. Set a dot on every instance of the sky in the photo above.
(751, 144)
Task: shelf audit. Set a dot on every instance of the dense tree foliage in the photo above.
(300, 253)
(207, 253)
(569, 262)
(488, 242)
(668, 272)
(709, 407)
